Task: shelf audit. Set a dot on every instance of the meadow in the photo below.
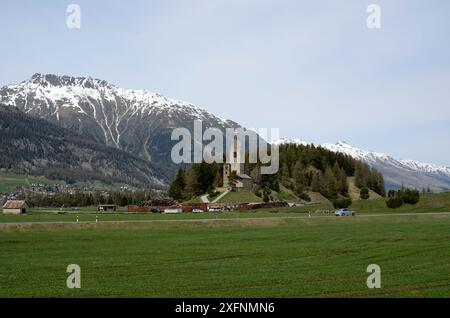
(10, 181)
(324, 257)
(266, 253)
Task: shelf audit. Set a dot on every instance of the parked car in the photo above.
(155, 210)
(197, 211)
(214, 210)
(344, 212)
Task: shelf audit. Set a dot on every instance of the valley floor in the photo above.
(266, 257)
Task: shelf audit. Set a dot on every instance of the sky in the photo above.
(313, 69)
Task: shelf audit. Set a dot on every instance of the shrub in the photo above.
(364, 193)
(397, 198)
(394, 202)
(410, 196)
(305, 196)
(342, 203)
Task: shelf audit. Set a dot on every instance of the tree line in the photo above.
(84, 199)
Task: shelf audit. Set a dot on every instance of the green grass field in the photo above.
(240, 196)
(87, 216)
(9, 182)
(267, 253)
(279, 258)
(439, 202)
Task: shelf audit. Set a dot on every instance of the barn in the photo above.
(107, 207)
(15, 207)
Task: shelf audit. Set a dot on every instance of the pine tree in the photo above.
(299, 176)
(192, 187)
(177, 187)
(330, 183)
(285, 177)
(316, 183)
(343, 182)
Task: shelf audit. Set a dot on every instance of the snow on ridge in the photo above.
(355, 152)
(295, 141)
(426, 167)
(373, 157)
(68, 90)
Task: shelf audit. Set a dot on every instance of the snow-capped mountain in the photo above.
(137, 121)
(374, 158)
(429, 168)
(140, 122)
(396, 172)
(360, 154)
(295, 141)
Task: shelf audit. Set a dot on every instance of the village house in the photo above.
(15, 207)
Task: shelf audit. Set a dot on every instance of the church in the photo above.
(242, 182)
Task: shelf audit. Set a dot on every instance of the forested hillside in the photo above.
(36, 146)
(320, 170)
(302, 168)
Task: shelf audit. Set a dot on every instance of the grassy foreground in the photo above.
(262, 258)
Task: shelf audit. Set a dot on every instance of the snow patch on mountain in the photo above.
(427, 167)
(295, 141)
(376, 157)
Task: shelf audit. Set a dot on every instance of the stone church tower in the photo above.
(244, 182)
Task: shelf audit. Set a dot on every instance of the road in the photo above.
(26, 224)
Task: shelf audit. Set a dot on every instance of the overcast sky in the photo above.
(311, 68)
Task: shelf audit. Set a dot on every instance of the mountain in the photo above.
(410, 173)
(137, 121)
(37, 146)
(140, 123)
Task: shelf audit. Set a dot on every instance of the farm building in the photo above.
(15, 207)
(173, 210)
(107, 207)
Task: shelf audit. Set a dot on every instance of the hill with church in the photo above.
(305, 171)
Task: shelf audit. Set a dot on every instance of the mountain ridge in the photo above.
(140, 122)
(137, 121)
(397, 172)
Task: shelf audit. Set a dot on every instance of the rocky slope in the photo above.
(35, 146)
